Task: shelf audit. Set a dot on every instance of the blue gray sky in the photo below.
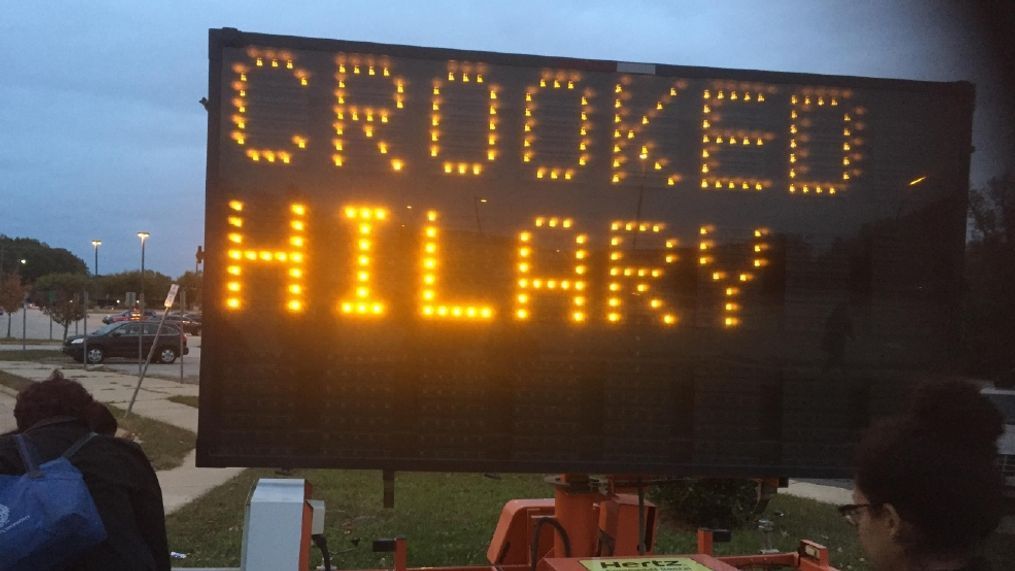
(101, 133)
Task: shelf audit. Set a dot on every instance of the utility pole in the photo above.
(95, 246)
(140, 334)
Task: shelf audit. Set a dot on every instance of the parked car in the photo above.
(121, 340)
(1004, 400)
(189, 322)
(128, 315)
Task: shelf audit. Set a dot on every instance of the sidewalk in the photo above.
(180, 485)
(6, 411)
(55, 347)
(822, 493)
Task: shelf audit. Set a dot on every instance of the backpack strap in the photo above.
(53, 420)
(27, 453)
(77, 445)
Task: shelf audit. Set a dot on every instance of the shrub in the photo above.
(708, 502)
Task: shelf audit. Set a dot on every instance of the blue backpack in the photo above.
(47, 515)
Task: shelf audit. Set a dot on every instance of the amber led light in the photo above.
(431, 306)
(293, 257)
(463, 79)
(268, 62)
(530, 285)
(718, 138)
(625, 277)
(366, 119)
(800, 179)
(628, 131)
(363, 302)
(556, 171)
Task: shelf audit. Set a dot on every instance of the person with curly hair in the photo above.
(927, 488)
(56, 413)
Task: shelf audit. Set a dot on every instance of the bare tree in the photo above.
(989, 312)
(12, 295)
(992, 211)
(60, 297)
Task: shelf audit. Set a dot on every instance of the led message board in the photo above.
(430, 259)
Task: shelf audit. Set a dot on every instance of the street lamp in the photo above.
(95, 246)
(143, 236)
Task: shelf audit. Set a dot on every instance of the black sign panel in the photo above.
(424, 259)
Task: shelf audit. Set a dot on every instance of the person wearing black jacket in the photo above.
(53, 415)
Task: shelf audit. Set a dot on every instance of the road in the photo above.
(191, 364)
(38, 325)
(7, 422)
(843, 484)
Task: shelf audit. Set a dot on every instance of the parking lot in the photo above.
(191, 364)
(39, 326)
(43, 334)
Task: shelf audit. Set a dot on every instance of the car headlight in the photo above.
(76, 341)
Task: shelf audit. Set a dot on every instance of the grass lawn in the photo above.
(14, 381)
(17, 341)
(36, 355)
(166, 445)
(184, 399)
(449, 519)
(794, 518)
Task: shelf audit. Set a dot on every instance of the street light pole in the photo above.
(140, 334)
(143, 236)
(24, 322)
(24, 314)
(95, 246)
(84, 341)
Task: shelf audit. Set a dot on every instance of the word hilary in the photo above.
(573, 285)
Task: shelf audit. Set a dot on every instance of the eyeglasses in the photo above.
(849, 511)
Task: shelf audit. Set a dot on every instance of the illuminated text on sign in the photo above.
(556, 117)
(624, 284)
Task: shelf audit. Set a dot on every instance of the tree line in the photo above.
(59, 283)
(989, 301)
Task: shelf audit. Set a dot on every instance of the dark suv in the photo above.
(121, 340)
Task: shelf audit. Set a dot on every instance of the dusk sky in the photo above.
(102, 135)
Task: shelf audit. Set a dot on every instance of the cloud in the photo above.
(100, 120)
